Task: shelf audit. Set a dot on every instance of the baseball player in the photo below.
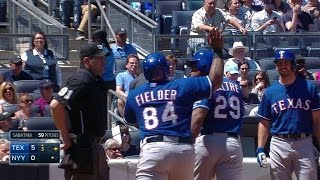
(163, 110)
(218, 148)
(290, 108)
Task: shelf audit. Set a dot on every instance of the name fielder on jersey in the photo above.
(160, 95)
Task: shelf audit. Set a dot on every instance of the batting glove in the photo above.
(261, 157)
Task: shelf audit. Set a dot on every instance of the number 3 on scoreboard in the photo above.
(151, 120)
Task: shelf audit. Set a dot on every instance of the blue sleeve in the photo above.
(315, 105)
(120, 80)
(195, 88)
(204, 103)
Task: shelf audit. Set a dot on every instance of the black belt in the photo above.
(174, 139)
(293, 136)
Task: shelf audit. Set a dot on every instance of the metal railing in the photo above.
(141, 29)
(260, 45)
(25, 19)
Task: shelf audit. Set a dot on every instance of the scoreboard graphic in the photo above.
(34, 147)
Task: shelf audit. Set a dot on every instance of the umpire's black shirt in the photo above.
(86, 102)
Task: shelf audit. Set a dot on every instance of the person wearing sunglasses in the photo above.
(7, 95)
(112, 148)
(25, 103)
(259, 83)
(46, 90)
(16, 71)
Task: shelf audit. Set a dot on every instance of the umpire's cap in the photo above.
(284, 54)
(91, 50)
(154, 66)
(203, 57)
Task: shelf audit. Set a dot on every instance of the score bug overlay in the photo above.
(34, 147)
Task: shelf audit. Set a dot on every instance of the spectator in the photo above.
(280, 6)
(112, 148)
(46, 90)
(100, 37)
(267, 20)
(83, 27)
(5, 121)
(41, 62)
(316, 76)
(249, 9)
(69, 7)
(313, 8)
(25, 112)
(173, 62)
(296, 19)
(248, 97)
(4, 150)
(238, 51)
(7, 95)
(124, 79)
(233, 10)
(205, 19)
(259, 83)
(16, 73)
(244, 72)
(1, 78)
(127, 149)
(122, 49)
(231, 72)
(301, 69)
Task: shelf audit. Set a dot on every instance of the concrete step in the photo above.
(74, 56)
(76, 44)
(7, 55)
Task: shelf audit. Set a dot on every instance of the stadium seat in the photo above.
(312, 62)
(273, 74)
(14, 124)
(28, 86)
(47, 111)
(266, 64)
(11, 108)
(248, 108)
(35, 109)
(194, 5)
(250, 126)
(313, 51)
(181, 19)
(251, 74)
(164, 14)
(119, 65)
(40, 123)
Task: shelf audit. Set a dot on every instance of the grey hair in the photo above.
(111, 142)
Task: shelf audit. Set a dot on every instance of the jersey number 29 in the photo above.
(150, 117)
(222, 102)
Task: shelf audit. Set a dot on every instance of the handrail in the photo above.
(20, 4)
(110, 106)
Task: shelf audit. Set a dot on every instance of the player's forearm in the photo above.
(263, 133)
(216, 73)
(198, 116)
(58, 115)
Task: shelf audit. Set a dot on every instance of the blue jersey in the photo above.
(226, 109)
(165, 108)
(289, 108)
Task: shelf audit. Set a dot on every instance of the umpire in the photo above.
(84, 101)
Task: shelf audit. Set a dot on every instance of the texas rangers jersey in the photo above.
(289, 107)
(226, 109)
(165, 108)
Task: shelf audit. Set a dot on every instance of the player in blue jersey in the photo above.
(290, 108)
(218, 148)
(162, 109)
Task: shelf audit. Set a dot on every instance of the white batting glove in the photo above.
(261, 157)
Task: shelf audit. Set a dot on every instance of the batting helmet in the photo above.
(203, 57)
(285, 54)
(154, 65)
